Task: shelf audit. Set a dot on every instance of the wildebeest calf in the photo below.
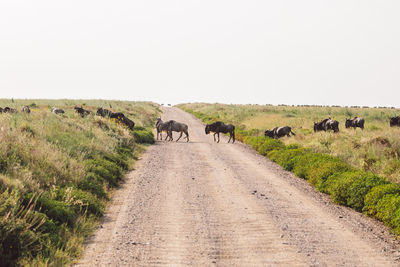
(220, 127)
(278, 132)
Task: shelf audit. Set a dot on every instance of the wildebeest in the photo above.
(9, 110)
(57, 111)
(332, 125)
(103, 112)
(395, 121)
(355, 122)
(278, 132)
(220, 127)
(81, 111)
(162, 127)
(119, 116)
(26, 109)
(1, 110)
(174, 126)
(326, 124)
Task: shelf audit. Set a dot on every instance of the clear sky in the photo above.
(341, 52)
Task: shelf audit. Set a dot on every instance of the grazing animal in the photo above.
(119, 116)
(9, 110)
(103, 112)
(320, 126)
(332, 125)
(1, 110)
(395, 121)
(355, 122)
(279, 132)
(57, 111)
(177, 127)
(162, 127)
(81, 111)
(220, 127)
(26, 109)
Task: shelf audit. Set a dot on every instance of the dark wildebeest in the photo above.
(81, 111)
(162, 127)
(220, 127)
(1, 110)
(278, 132)
(395, 121)
(320, 126)
(119, 116)
(103, 112)
(9, 110)
(174, 126)
(26, 109)
(332, 125)
(355, 122)
(57, 111)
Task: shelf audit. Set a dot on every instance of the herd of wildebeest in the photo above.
(215, 128)
(219, 127)
(117, 116)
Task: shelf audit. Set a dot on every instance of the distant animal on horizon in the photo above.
(326, 124)
(57, 111)
(119, 116)
(395, 121)
(81, 111)
(174, 126)
(103, 112)
(279, 132)
(26, 109)
(355, 122)
(162, 127)
(220, 127)
(9, 110)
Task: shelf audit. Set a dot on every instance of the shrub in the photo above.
(270, 144)
(57, 210)
(93, 184)
(376, 194)
(143, 137)
(388, 210)
(320, 174)
(338, 185)
(284, 157)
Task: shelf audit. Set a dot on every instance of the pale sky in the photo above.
(294, 52)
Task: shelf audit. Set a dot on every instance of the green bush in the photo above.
(143, 136)
(105, 169)
(284, 157)
(94, 184)
(325, 169)
(81, 201)
(338, 184)
(270, 144)
(57, 210)
(360, 188)
(388, 211)
(376, 194)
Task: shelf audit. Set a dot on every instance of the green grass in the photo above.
(358, 169)
(56, 174)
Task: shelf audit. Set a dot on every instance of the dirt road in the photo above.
(205, 204)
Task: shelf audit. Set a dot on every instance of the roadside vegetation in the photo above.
(359, 169)
(57, 173)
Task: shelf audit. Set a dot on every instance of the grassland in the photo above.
(358, 169)
(57, 172)
(375, 149)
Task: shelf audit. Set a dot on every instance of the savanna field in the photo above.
(357, 168)
(57, 172)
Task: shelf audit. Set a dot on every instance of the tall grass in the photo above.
(56, 172)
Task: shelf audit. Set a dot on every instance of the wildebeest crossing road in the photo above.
(204, 204)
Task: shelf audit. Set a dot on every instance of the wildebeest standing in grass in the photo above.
(278, 132)
(355, 122)
(81, 111)
(220, 127)
(103, 112)
(174, 126)
(395, 121)
(57, 111)
(9, 110)
(320, 126)
(162, 127)
(332, 125)
(1, 110)
(119, 116)
(26, 109)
